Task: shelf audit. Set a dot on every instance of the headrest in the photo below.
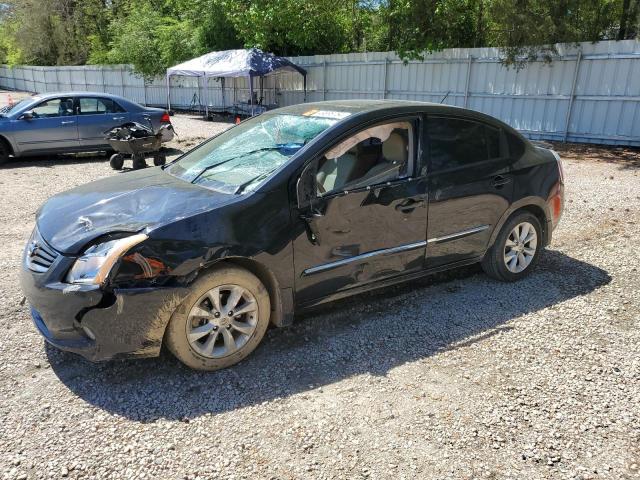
(395, 148)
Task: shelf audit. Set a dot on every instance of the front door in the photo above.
(367, 217)
(470, 187)
(53, 127)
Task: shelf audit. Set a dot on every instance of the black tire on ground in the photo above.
(139, 161)
(116, 161)
(494, 263)
(227, 275)
(4, 152)
(159, 159)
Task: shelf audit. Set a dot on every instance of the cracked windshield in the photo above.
(240, 158)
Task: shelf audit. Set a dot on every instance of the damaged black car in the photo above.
(296, 207)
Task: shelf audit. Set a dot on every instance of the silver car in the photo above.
(68, 122)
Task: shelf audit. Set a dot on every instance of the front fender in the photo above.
(7, 138)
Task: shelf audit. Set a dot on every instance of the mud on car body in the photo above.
(290, 209)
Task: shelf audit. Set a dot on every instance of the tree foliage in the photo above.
(154, 34)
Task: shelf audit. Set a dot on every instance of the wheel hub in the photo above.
(520, 247)
(222, 321)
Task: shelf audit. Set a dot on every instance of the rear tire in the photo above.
(139, 161)
(116, 161)
(205, 333)
(516, 249)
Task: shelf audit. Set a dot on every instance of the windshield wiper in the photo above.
(244, 185)
(206, 169)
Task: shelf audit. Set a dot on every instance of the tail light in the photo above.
(556, 196)
(556, 207)
(556, 202)
(560, 166)
(165, 118)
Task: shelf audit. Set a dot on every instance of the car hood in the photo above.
(128, 202)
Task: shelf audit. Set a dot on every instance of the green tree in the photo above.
(150, 40)
(526, 30)
(428, 25)
(47, 32)
(155, 34)
(292, 27)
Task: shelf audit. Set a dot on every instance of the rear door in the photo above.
(53, 127)
(96, 115)
(470, 187)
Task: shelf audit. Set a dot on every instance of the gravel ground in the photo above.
(456, 376)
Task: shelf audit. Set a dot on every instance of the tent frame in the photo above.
(222, 79)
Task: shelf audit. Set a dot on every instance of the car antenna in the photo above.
(445, 97)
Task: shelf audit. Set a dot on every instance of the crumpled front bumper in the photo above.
(96, 324)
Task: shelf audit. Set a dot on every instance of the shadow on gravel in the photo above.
(49, 161)
(623, 157)
(368, 334)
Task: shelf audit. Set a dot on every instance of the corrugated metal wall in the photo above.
(589, 93)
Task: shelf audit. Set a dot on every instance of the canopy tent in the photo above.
(249, 63)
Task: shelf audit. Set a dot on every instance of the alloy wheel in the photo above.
(520, 247)
(222, 321)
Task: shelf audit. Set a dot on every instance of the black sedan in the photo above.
(282, 212)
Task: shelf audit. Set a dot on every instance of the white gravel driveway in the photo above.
(456, 376)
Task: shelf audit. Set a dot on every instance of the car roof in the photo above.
(357, 109)
(45, 96)
(362, 106)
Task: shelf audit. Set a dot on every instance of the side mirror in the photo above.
(28, 115)
(306, 186)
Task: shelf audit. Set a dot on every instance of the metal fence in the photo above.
(589, 93)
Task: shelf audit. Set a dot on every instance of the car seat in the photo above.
(395, 152)
(65, 108)
(334, 173)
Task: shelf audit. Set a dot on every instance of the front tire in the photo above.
(4, 152)
(516, 249)
(221, 321)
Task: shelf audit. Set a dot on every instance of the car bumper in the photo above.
(100, 325)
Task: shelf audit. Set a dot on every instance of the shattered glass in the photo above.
(243, 156)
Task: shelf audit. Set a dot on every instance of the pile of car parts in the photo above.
(136, 140)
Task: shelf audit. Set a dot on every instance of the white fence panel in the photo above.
(589, 93)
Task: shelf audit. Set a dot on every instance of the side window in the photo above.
(516, 147)
(94, 106)
(115, 107)
(454, 142)
(376, 155)
(56, 107)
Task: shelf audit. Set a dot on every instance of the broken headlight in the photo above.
(95, 264)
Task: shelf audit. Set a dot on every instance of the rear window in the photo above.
(96, 106)
(516, 146)
(455, 142)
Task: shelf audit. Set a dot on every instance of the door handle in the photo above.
(409, 205)
(118, 118)
(500, 181)
(68, 122)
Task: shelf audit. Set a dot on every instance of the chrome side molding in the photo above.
(461, 234)
(364, 256)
